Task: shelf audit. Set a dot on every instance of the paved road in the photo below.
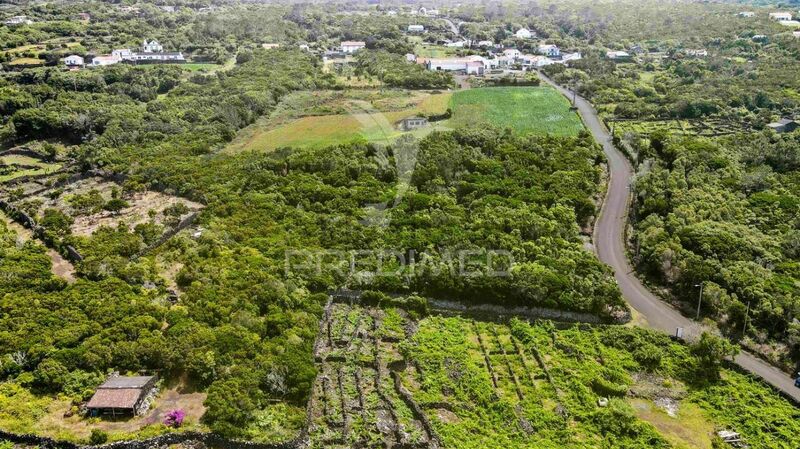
(608, 239)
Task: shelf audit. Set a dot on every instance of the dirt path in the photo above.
(61, 267)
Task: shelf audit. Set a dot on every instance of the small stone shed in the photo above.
(121, 396)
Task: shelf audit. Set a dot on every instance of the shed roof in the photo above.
(126, 382)
(120, 398)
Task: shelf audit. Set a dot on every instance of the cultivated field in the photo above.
(386, 379)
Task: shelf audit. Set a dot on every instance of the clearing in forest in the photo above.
(526, 110)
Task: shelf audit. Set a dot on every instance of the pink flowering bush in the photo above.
(174, 418)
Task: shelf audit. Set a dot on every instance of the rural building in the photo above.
(536, 61)
(746, 14)
(523, 33)
(784, 125)
(618, 55)
(352, 46)
(512, 53)
(74, 61)
(99, 61)
(416, 28)
(121, 396)
(411, 123)
(270, 46)
(152, 46)
(549, 50)
(472, 65)
(485, 43)
(569, 57)
(780, 16)
(17, 20)
(696, 52)
(475, 68)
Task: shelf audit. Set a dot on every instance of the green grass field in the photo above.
(537, 110)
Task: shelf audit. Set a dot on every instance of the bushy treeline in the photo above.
(726, 214)
(394, 70)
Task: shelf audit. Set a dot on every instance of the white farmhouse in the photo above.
(523, 33)
(549, 50)
(74, 61)
(17, 20)
(99, 61)
(122, 53)
(618, 55)
(416, 28)
(780, 16)
(152, 46)
(512, 53)
(352, 46)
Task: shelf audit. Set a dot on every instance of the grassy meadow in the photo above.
(537, 110)
(319, 119)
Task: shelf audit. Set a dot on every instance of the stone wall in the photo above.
(210, 440)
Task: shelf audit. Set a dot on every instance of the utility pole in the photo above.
(699, 300)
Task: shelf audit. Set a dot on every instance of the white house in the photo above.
(352, 46)
(152, 46)
(456, 44)
(158, 57)
(569, 57)
(616, 55)
(303, 47)
(512, 53)
(73, 61)
(746, 14)
(523, 33)
(433, 12)
(99, 61)
(697, 52)
(536, 61)
(780, 16)
(416, 28)
(122, 53)
(17, 20)
(549, 50)
(472, 65)
(485, 43)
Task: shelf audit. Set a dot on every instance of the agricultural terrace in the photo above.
(320, 119)
(460, 383)
(15, 166)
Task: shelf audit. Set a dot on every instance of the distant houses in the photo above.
(416, 29)
(350, 47)
(152, 53)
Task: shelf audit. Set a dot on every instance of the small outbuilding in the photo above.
(784, 125)
(122, 396)
(411, 123)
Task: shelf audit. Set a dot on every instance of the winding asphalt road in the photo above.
(609, 245)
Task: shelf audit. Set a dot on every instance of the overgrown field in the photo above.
(460, 383)
(537, 110)
(319, 119)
